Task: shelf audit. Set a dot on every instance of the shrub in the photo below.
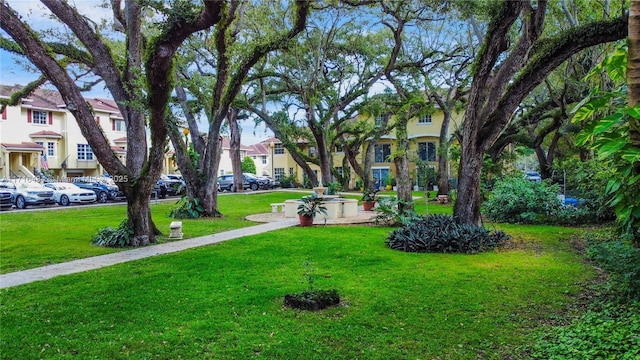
(518, 200)
(622, 261)
(110, 237)
(186, 209)
(588, 180)
(392, 211)
(440, 233)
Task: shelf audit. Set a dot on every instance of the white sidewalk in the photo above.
(80, 265)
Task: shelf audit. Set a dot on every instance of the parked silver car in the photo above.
(28, 192)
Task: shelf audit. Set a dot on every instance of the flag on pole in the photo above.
(43, 162)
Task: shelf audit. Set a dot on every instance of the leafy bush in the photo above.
(186, 209)
(392, 211)
(518, 200)
(333, 188)
(110, 237)
(607, 333)
(440, 233)
(622, 261)
(587, 180)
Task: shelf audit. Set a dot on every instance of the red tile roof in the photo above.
(25, 145)
(46, 134)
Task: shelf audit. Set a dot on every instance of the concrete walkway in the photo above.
(80, 265)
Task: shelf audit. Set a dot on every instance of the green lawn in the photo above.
(38, 238)
(225, 301)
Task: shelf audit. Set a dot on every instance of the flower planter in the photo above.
(368, 205)
(312, 300)
(305, 220)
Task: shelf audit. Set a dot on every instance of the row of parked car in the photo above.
(81, 190)
(89, 189)
(250, 181)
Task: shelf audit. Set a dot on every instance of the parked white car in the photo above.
(67, 193)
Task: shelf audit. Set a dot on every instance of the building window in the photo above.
(39, 117)
(290, 172)
(51, 148)
(426, 119)
(380, 119)
(221, 172)
(118, 125)
(84, 152)
(427, 151)
(278, 149)
(340, 170)
(264, 159)
(382, 153)
(279, 173)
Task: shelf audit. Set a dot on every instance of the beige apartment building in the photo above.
(40, 134)
(424, 138)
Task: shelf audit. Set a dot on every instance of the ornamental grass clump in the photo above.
(441, 234)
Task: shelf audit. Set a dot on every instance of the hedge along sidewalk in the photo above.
(47, 272)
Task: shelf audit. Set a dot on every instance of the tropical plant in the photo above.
(369, 195)
(442, 234)
(311, 206)
(388, 213)
(611, 138)
(186, 209)
(114, 237)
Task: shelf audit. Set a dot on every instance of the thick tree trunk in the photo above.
(403, 182)
(139, 219)
(467, 207)
(401, 160)
(443, 155)
(234, 151)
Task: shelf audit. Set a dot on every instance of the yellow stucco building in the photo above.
(424, 139)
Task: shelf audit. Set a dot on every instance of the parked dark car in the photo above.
(6, 191)
(104, 187)
(225, 182)
(26, 193)
(271, 183)
(256, 182)
(173, 186)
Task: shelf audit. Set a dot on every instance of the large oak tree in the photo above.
(139, 80)
(506, 70)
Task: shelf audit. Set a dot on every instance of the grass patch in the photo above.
(225, 301)
(38, 238)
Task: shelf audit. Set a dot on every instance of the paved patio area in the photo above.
(363, 217)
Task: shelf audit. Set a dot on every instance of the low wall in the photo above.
(336, 208)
